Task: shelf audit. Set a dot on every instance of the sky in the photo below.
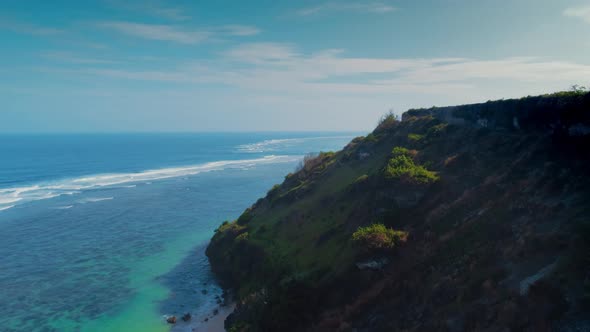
(271, 65)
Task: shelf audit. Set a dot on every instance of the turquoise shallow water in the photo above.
(107, 233)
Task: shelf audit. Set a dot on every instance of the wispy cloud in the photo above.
(371, 7)
(170, 13)
(29, 29)
(177, 34)
(157, 32)
(152, 8)
(262, 53)
(579, 12)
(94, 45)
(68, 57)
(239, 30)
(282, 70)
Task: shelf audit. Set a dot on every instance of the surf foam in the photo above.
(278, 144)
(9, 197)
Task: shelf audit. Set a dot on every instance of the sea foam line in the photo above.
(9, 197)
(95, 199)
(65, 207)
(275, 144)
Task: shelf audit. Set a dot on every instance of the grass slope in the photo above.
(494, 208)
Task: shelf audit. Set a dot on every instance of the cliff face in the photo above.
(561, 113)
(494, 198)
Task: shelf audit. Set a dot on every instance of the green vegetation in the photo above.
(312, 161)
(230, 227)
(401, 166)
(245, 217)
(273, 190)
(387, 121)
(500, 214)
(436, 130)
(378, 237)
(579, 89)
(371, 138)
(361, 179)
(415, 138)
(242, 237)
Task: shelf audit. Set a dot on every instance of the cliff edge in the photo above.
(464, 218)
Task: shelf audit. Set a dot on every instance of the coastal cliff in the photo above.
(464, 218)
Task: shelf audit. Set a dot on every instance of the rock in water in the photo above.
(186, 317)
(171, 320)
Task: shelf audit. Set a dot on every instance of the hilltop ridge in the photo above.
(462, 218)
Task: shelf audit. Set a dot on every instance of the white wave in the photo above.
(95, 199)
(268, 145)
(2, 208)
(65, 207)
(278, 144)
(21, 195)
(7, 200)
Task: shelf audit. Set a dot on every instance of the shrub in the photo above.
(245, 217)
(579, 89)
(436, 130)
(313, 160)
(357, 139)
(361, 179)
(401, 151)
(402, 167)
(387, 121)
(230, 227)
(378, 237)
(309, 161)
(223, 226)
(371, 138)
(359, 183)
(415, 138)
(273, 190)
(242, 237)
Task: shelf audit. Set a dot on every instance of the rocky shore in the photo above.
(212, 322)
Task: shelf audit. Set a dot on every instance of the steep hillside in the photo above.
(481, 222)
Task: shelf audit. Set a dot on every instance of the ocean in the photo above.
(107, 232)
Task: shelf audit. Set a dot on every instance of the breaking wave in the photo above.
(10, 197)
(271, 145)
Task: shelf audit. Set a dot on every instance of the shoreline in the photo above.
(193, 289)
(210, 323)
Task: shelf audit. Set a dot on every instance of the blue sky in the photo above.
(115, 65)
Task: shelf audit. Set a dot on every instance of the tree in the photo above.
(579, 88)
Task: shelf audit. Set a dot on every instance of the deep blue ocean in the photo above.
(106, 232)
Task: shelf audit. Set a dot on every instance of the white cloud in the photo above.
(285, 86)
(153, 8)
(259, 53)
(157, 32)
(239, 30)
(178, 34)
(372, 7)
(281, 70)
(170, 13)
(579, 12)
(75, 59)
